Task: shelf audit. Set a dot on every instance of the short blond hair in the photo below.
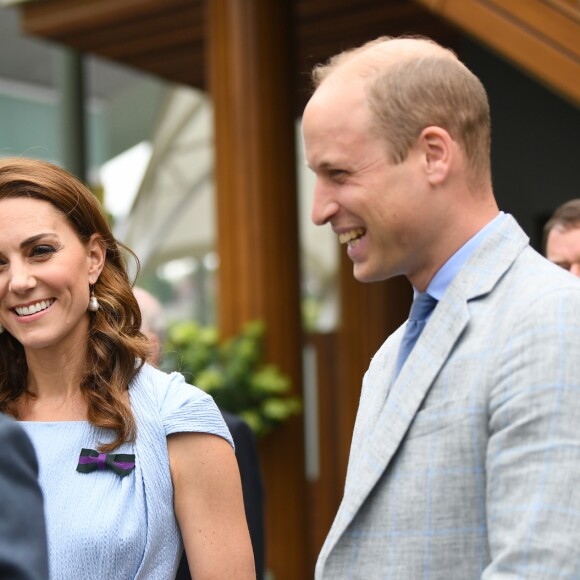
(415, 89)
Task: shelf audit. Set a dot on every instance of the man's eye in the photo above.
(337, 174)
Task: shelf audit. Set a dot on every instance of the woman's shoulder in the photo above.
(158, 385)
(180, 405)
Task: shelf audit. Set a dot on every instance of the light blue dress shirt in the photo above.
(450, 269)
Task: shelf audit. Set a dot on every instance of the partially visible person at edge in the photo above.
(466, 463)
(562, 237)
(23, 551)
(153, 326)
(132, 460)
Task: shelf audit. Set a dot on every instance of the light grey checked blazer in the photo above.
(468, 466)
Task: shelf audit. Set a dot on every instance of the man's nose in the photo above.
(324, 207)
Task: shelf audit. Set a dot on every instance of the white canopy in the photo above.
(173, 215)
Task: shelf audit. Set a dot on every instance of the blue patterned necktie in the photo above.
(422, 306)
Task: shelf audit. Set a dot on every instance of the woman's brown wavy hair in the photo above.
(116, 349)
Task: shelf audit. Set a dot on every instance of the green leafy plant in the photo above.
(233, 373)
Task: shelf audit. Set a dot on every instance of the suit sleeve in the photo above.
(23, 551)
(533, 456)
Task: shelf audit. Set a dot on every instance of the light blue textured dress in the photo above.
(104, 526)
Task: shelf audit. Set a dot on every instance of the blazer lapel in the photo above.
(405, 397)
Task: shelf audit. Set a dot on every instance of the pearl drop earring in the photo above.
(93, 302)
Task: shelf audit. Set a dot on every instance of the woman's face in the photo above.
(45, 272)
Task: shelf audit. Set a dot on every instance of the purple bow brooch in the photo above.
(90, 460)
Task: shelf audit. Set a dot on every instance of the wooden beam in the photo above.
(537, 35)
(59, 18)
(547, 21)
(163, 37)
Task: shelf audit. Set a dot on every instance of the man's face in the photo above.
(376, 207)
(563, 248)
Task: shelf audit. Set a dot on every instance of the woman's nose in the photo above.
(20, 279)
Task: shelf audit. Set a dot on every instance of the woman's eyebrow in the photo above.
(34, 239)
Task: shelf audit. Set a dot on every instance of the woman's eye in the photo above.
(40, 251)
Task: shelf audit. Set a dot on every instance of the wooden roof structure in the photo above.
(168, 37)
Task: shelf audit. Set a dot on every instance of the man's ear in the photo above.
(437, 150)
(96, 253)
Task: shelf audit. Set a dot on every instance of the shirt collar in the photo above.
(450, 269)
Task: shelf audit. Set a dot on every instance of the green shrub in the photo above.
(233, 373)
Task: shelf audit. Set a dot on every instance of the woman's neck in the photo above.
(53, 391)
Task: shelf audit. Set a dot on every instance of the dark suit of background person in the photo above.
(253, 490)
(23, 551)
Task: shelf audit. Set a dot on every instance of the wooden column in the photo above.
(250, 78)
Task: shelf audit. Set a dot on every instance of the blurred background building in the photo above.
(183, 116)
